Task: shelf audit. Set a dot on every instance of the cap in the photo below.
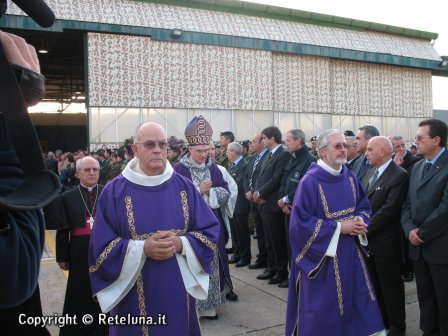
(313, 138)
(198, 132)
(349, 133)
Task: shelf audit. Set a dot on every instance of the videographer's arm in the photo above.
(19, 52)
(21, 232)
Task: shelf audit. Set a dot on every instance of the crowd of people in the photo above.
(145, 231)
(342, 222)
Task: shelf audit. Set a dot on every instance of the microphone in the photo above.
(37, 10)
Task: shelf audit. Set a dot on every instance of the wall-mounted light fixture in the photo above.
(444, 62)
(176, 33)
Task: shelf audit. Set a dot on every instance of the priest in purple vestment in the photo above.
(152, 245)
(330, 291)
(209, 181)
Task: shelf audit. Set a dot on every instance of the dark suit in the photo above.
(361, 166)
(255, 208)
(426, 208)
(272, 217)
(294, 170)
(385, 234)
(408, 163)
(239, 221)
(409, 160)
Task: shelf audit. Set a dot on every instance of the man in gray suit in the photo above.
(425, 223)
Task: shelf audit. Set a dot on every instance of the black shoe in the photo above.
(234, 260)
(211, 317)
(254, 236)
(284, 284)
(242, 263)
(229, 250)
(275, 280)
(266, 275)
(231, 296)
(408, 277)
(257, 265)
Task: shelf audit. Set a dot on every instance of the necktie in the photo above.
(253, 170)
(373, 180)
(232, 166)
(427, 168)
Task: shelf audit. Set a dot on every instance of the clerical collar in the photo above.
(135, 174)
(325, 166)
(194, 163)
(88, 188)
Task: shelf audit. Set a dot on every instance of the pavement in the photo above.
(259, 311)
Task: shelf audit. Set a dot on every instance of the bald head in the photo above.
(150, 147)
(379, 150)
(149, 127)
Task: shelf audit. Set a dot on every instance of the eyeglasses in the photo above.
(150, 144)
(202, 151)
(339, 146)
(421, 137)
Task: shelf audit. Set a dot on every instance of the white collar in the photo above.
(135, 174)
(325, 166)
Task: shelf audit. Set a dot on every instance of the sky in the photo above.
(429, 16)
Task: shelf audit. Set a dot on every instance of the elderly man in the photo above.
(330, 292)
(73, 213)
(196, 166)
(152, 244)
(424, 220)
(386, 185)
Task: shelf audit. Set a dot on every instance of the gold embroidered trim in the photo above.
(336, 214)
(177, 232)
(337, 276)
(366, 275)
(184, 201)
(310, 241)
(130, 215)
(204, 240)
(104, 255)
(141, 302)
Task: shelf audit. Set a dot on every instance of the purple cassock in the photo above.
(125, 281)
(329, 295)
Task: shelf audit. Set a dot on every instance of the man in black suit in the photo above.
(253, 168)
(405, 159)
(272, 217)
(386, 186)
(364, 134)
(295, 169)
(239, 222)
(425, 223)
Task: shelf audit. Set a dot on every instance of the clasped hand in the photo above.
(162, 245)
(354, 226)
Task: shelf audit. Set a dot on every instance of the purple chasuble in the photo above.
(129, 211)
(329, 295)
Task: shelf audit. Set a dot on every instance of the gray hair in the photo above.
(396, 138)
(322, 138)
(297, 134)
(235, 147)
(369, 131)
(79, 163)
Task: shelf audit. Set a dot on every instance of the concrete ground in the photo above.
(260, 310)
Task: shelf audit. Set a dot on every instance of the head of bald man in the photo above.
(379, 151)
(150, 147)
